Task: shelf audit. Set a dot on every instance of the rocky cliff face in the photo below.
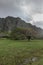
(9, 23)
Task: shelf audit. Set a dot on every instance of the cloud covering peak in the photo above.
(25, 9)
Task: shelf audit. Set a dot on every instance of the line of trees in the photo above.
(20, 34)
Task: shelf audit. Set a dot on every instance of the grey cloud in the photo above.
(39, 24)
(36, 5)
(9, 6)
(14, 8)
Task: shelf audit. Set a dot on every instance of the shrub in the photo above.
(17, 35)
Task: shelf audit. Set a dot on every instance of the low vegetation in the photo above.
(21, 52)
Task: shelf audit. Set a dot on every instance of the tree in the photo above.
(17, 34)
(29, 37)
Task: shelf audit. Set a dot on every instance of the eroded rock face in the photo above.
(9, 23)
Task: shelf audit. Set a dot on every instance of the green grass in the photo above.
(14, 52)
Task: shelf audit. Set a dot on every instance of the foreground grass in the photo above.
(21, 52)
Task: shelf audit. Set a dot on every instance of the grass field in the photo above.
(21, 52)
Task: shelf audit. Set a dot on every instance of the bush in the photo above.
(17, 35)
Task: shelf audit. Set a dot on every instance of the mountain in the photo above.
(10, 23)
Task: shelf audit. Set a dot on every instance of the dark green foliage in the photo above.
(21, 34)
(29, 37)
(17, 34)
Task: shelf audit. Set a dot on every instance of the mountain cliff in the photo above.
(10, 23)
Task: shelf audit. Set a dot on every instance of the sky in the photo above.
(29, 10)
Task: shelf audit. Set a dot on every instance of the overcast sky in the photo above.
(29, 10)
